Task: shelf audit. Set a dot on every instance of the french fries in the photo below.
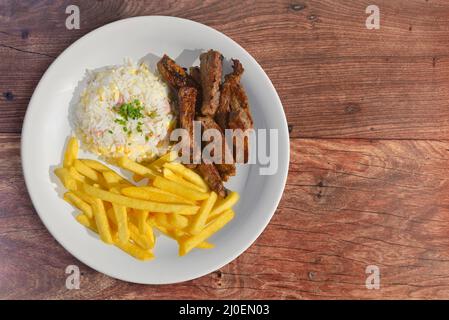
(71, 152)
(101, 221)
(121, 218)
(157, 164)
(182, 191)
(170, 175)
(76, 201)
(137, 168)
(154, 194)
(187, 174)
(224, 204)
(139, 204)
(96, 165)
(86, 171)
(66, 178)
(177, 202)
(199, 220)
(188, 243)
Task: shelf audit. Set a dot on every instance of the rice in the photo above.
(124, 111)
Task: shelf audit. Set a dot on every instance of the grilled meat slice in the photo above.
(226, 169)
(186, 103)
(211, 65)
(195, 73)
(210, 173)
(174, 74)
(231, 80)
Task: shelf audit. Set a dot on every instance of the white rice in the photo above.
(95, 115)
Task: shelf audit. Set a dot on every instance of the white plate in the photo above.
(46, 128)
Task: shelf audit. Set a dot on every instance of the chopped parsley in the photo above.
(132, 110)
(129, 111)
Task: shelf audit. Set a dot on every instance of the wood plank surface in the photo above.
(367, 184)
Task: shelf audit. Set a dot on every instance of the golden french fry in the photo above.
(188, 243)
(205, 245)
(96, 165)
(139, 204)
(121, 220)
(154, 194)
(87, 171)
(73, 199)
(128, 247)
(114, 180)
(135, 167)
(178, 221)
(170, 175)
(178, 234)
(134, 250)
(83, 196)
(76, 175)
(71, 152)
(145, 241)
(224, 204)
(101, 220)
(142, 216)
(87, 222)
(157, 164)
(66, 178)
(199, 220)
(187, 174)
(162, 220)
(179, 190)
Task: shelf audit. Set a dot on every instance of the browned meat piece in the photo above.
(226, 170)
(195, 73)
(233, 111)
(210, 173)
(186, 102)
(211, 70)
(174, 74)
(231, 80)
(196, 76)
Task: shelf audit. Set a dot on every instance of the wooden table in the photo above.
(369, 113)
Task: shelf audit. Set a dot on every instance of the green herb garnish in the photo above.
(132, 110)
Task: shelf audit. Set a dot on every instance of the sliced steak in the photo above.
(231, 80)
(210, 173)
(174, 74)
(211, 65)
(226, 170)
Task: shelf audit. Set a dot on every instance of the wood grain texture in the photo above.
(369, 149)
(335, 77)
(348, 204)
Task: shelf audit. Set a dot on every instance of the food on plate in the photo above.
(186, 244)
(211, 175)
(211, 71)
(175, 75)
(177, 202)
(124, 111)
(71, 152)
(219, 106)
(187, 105)
(125, 116)
(226, 170)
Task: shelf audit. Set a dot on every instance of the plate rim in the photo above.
(282, 175)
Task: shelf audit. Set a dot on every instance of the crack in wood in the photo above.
(26, 51)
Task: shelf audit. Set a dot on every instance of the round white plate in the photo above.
(46, 128)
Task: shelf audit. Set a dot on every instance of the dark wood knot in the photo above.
(8, 95)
